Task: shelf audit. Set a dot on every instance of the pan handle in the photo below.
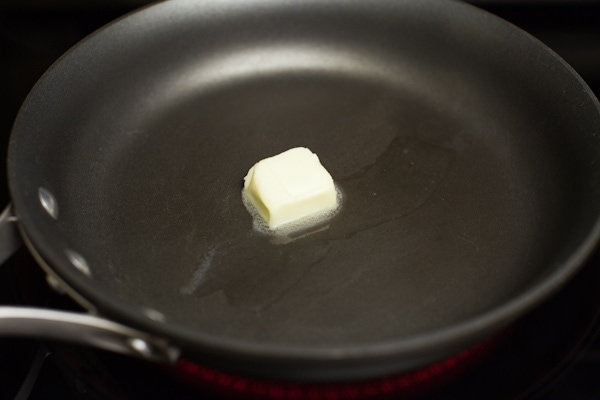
(72, 327)
(10, 240)
(84, 329)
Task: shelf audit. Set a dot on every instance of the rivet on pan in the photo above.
(48, 202)
(154, 315)
(140, 346)
(54, 284)
(78, 262)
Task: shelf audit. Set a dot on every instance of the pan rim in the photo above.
(212, 343)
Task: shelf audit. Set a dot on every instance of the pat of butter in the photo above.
(290, 186)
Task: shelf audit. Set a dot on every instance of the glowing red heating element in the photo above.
(406, 384)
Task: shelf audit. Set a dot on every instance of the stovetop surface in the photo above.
(552, 354)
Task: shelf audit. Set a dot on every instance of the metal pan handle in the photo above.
(73, 327)
(84, 329)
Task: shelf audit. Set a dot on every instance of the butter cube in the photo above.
(290, 186)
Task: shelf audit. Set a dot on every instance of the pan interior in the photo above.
(457, 180)
(438, 222)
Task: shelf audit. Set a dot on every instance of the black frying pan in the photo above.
(467, 152)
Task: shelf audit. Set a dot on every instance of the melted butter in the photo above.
(296, 229)
(394, 186)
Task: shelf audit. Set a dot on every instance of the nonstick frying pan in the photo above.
(466, 151)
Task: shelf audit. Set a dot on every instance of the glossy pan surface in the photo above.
(467, 154)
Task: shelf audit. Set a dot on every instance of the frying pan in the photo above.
(466, 152)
